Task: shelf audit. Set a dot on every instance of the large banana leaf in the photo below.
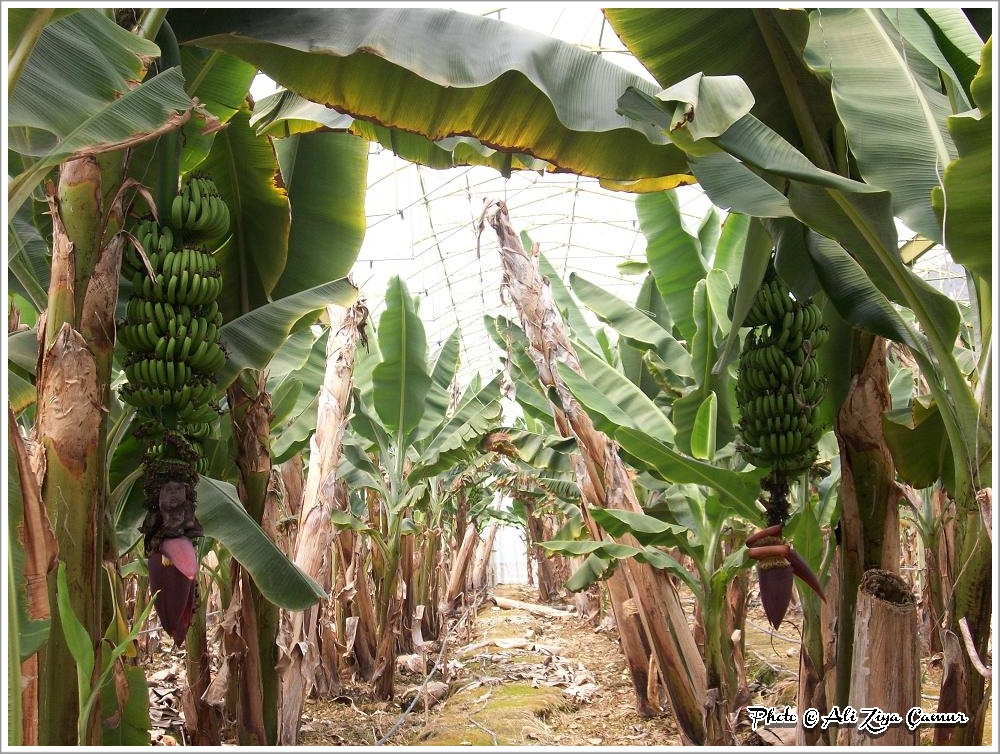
(761, 45)
(737, 490)
(220, 82)
(674, 255)
(890, 101)
(348, 58)
(612, 400)
(225, 520)
(285, 113)
(244, 168)
(325, 175)
(439, 395)
(632, 324)
(251, 340)
(458, 437)
(965, 206)
(401, 380)
(61, 108)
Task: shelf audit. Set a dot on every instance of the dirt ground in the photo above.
(518, 679)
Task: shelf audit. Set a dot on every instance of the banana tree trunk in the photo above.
(71, 423)
(256, 681)
(869, 495)
(605, 482)
(40, 554)
(302, 630)
(456, 578)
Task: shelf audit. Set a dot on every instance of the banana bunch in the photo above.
(198, 212)
(171, 336)
(778, 387)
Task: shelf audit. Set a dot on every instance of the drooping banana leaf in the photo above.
(964, 207)
(61, 108)
(243, 166)
(612, 400)
(220, 82)
(737, 490)
(348, 58)
(252, 339)
(285, 113)
(325, 176)
(890, 100)
(761, 45)
(632, 324)
(225, 520)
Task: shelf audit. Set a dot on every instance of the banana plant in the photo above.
(403, 436)
(135, 100)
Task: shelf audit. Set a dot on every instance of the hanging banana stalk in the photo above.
(778, 391)
(171, 336)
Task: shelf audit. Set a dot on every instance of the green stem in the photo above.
(812, 144)
(22, 51)
(169, 156)
(150, 23)
(954, 398)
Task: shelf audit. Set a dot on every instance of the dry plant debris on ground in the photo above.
(517, 679)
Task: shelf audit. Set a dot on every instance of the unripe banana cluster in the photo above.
(779, 388)
(171, 335)
(199, 212)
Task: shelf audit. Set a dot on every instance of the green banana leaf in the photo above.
(649, 302)
(958, 42)
(19, 21)
(130, 714)
(965, 205)
(919, 445)
(674, 255)
(296, 394)
(648, 530)
(252, 339)
(855, 215)
(737, 490)
(243, 166)
(401, 380)
(458, 436)
(890, 101)
(28, 267)
(703, 433)
(509, 336)
(439, 396)
(348, 58)
(220, 82)
(612, 400)
(632, 323)
(616, 551)
(761, 45)
(285, 113)
(224, 519)
(325, 175)
(60, 108)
